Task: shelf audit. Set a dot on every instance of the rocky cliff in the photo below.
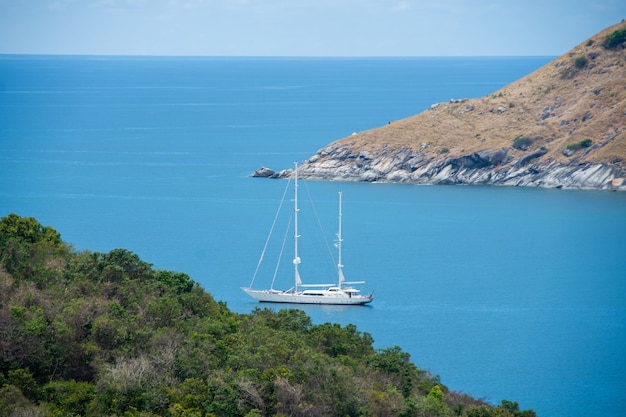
(561, 126)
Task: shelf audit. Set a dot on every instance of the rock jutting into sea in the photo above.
(488, 167)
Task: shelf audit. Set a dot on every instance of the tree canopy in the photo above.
(88, 333)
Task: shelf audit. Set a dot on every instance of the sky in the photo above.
(303, 27)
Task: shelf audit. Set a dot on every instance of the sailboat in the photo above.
(339, 293)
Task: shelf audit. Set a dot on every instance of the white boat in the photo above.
(339, 293)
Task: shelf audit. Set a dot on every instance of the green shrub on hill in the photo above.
(522, 142)
(614, 39)
(85, 333)
(585, 143)
(580, 62)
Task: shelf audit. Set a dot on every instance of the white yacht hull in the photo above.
(309, 297)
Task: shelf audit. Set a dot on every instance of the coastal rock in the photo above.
(529, 158)
(263, 172)
(488, 167)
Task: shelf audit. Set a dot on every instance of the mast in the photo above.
(296, 258)
(339, 240)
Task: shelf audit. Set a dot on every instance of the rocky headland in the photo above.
(561, 126)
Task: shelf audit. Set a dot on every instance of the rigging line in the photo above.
(282, 250)
(321, 228)
(267, 241)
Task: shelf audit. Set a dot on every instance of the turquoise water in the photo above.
(506, 293)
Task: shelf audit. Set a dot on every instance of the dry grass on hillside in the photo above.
(580, 95)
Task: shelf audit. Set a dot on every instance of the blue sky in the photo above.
(302, 27)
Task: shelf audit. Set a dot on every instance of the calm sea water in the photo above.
(505, 293)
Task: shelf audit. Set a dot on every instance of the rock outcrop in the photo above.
(492, 167)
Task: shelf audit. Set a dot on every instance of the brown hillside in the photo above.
(578, 96)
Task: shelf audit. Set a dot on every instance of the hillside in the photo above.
(105, 334)
(560, 126)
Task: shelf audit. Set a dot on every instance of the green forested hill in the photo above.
(105, 334)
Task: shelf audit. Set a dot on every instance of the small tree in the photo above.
(580, 62)
(614, 39)
(179, 281)
(28, 230)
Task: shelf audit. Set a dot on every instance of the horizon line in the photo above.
(98, 55)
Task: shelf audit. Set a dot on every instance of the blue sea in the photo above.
(506, 293)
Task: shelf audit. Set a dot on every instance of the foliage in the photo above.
(615, 38)
(585, 143)
(522, 142)
(580, 62)
(179, 281)
(86, 333)
(28, 230)
(26, 245)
